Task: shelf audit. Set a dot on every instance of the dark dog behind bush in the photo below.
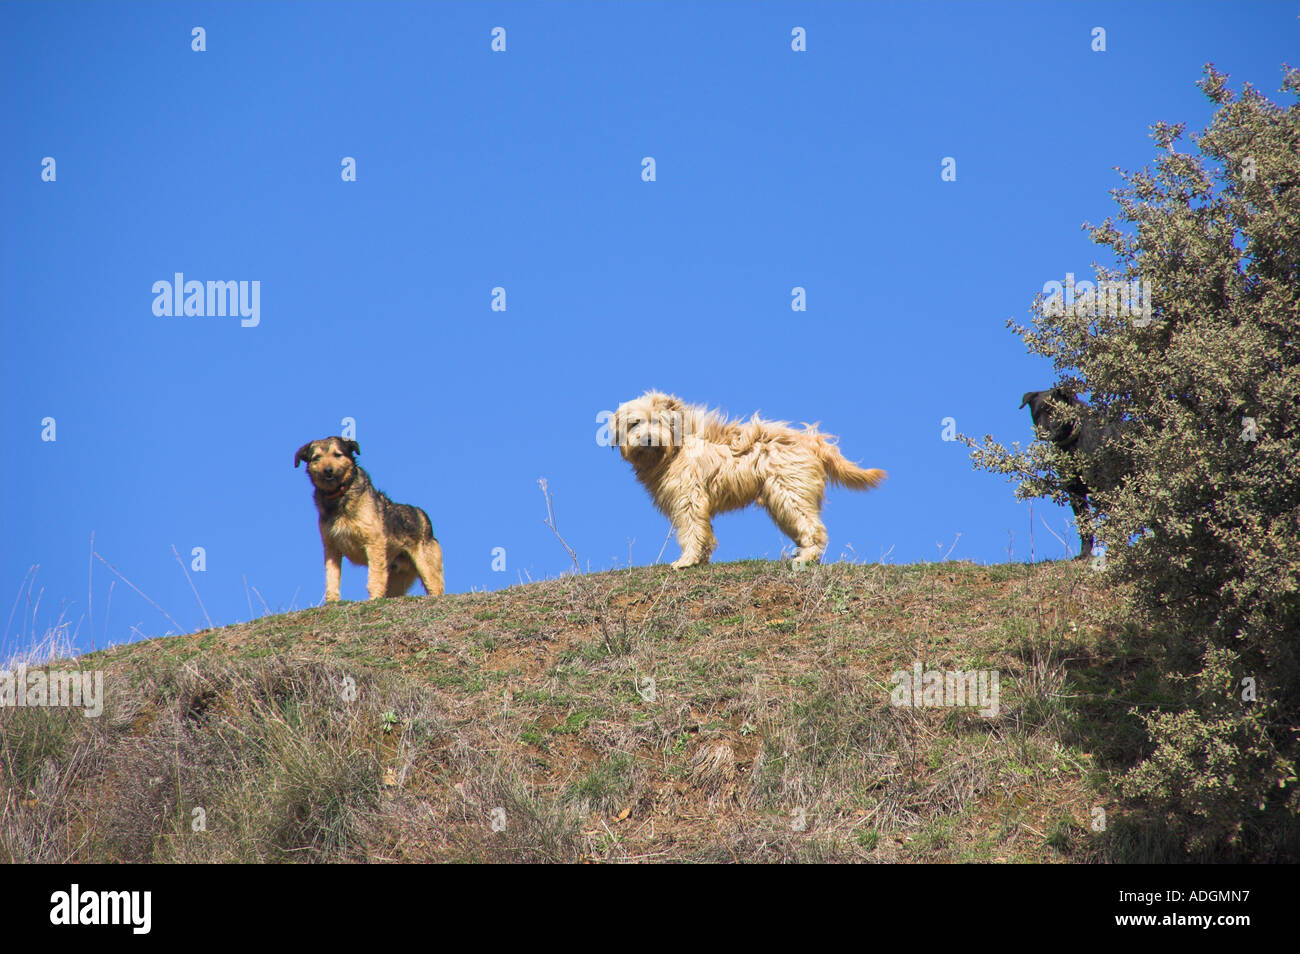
(1084, 438)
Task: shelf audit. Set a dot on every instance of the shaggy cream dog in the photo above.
(696, 463)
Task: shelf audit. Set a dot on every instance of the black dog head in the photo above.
(1045, 409)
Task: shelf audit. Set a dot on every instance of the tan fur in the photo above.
(351, 513)
(696, 463)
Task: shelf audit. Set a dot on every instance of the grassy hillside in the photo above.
(408, 729)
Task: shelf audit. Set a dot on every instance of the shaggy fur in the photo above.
(696, 463)
(394, 541)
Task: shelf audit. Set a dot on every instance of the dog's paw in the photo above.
(683, 563)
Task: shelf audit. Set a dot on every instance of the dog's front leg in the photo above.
(1079, 504)
(333, 573)
(695, 536)
(377, 562)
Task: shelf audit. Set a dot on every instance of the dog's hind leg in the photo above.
(428, 562)
(799, 520)
(810, 534)
(401, 574)
(812, 541)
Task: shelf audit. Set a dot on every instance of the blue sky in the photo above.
(523, 170)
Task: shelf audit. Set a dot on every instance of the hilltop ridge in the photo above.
(733, 712)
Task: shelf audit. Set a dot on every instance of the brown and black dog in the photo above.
(394, 541)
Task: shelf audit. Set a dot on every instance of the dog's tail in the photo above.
(843, 471)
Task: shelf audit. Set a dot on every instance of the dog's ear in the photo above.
(303, 453)
(351, 448)
(616, 428)
(1029, 396)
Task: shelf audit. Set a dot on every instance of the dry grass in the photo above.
(739, 712)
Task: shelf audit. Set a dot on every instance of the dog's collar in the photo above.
(343, 488)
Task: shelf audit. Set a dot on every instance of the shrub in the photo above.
(1204, 530)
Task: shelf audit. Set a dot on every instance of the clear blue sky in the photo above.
(522, 169)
